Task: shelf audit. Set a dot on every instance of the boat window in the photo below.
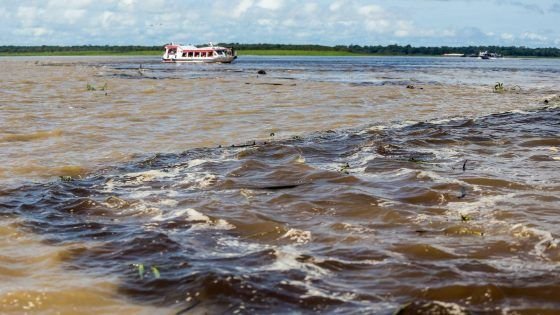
(190, 54)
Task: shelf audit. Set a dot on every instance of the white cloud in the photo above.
(335, 6)
(242, 7)
(375, 18)
(533, 36)
(507, 36)
(34, 31)
(72, 16)
(448, 33)
(311, 7)
(39, 31)
(378, 25)
(270, 4)
(403, 28)
(66, 4)
(126, 3)
(266, 22)
(329, 22)
(371, 10)
(4, 13)
(28, 15)
(289, 23)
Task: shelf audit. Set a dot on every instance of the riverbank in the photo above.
(282, 50)
(272, 52)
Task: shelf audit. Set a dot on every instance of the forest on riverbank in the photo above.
(283, 49)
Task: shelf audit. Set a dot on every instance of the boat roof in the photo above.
(192, 47)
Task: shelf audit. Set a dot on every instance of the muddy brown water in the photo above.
(325, 185)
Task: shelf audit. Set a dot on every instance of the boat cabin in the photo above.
(190, 53)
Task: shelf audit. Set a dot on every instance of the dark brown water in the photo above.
(341, 211)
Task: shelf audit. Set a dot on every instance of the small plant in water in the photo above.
(66, 178)
(499, 87)
(344, 168)
(90, 87)
(155, 271)
(465, 218)
(141, 270)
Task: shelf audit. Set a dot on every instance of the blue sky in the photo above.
(329, 22)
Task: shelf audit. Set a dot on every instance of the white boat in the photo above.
(189, 53)
(487, 55)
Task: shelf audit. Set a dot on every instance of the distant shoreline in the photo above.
(271, 53)
(285, 50)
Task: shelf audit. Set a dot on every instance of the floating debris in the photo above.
(463, 193)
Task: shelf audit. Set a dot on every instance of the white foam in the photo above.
(444, 180)
(298, 236)
(197, 162)
(168, 202)
(441, 121)
(142, 194)
(545, 238)
(519, 111)
(313, 291)
(198, 180)
(287, 259)
(484, 205)
(357, 228)
(141, 177)
(199, 220)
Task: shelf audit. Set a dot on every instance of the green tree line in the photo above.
(393, 50)
(80, 48)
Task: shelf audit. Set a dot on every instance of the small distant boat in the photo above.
(208, 54)
(487, 55)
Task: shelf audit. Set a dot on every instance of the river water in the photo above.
(328, 185)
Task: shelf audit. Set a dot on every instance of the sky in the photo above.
(326, 22)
